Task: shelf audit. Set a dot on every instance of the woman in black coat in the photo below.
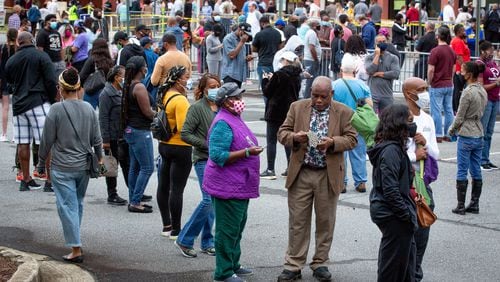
(391, 206)
(281, 89)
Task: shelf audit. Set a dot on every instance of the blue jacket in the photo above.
(368, 33)
(471, 39)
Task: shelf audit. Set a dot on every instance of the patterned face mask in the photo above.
(238, 106)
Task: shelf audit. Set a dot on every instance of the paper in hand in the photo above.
(313, 139)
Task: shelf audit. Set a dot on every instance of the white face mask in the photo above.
(424, 100)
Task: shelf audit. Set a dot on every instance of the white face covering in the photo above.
(424, 100)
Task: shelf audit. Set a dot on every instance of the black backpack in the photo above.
(160, 127)
(338, 56)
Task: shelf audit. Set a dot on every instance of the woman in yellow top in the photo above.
(175, 164)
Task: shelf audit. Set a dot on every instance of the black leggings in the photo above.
(272, 138)
(124, 163)
(174, 172)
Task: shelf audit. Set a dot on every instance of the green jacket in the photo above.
(195, 129)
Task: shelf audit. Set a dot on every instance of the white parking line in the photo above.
(452, 159)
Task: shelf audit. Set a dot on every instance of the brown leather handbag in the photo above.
(425, 216)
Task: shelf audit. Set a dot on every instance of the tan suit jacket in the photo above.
(340, 128)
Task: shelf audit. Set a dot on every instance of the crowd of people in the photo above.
(61, 73)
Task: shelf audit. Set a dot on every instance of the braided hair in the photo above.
(173, 75)
(133, 67)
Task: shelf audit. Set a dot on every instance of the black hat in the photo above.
(227, 90)
(141, 27)
(246, 28)
(119, 35)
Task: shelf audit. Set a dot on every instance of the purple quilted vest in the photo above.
(238, 180)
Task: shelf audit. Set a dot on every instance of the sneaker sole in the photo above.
(269, 177)
(117, 204)
(182, 251)
(36, 188)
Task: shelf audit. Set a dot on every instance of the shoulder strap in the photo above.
(350, 91)
(74, 129)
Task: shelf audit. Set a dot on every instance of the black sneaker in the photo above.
(285, 173)
(23, 186)
(146, 198)
(243, 272)
(322, 274)
(268, 174)
(492, 166)
(486, 167)
(48, 187)
(33, 185)
(288, 275)
(116, 200)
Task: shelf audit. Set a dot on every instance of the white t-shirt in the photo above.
(425, 126)
(311, 39)
(462, 18)
(314, 10)
(448, 13)
(253, 20)
(52, 7)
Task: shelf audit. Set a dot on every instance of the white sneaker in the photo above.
(3, 138)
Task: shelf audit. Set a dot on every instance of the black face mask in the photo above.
(295, 24)
(412, 129)
(318, 27)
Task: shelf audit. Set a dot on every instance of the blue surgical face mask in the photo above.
(53, 25)
(217, 18)
(212, 94)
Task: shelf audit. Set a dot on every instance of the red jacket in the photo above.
(412, 15)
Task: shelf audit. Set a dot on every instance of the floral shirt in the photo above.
(319, 126)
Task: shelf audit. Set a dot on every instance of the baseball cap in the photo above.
(119, 35)
(146, 40)
(246, 28)
(227, 90)
(280, 22)
(289, 56)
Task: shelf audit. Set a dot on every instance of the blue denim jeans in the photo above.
(202, 218)
(488, 121)
(312, 67)
(140, 148)
(441, 100)
(357, 157)
(92, 98)
(469, 157)
(70, 188)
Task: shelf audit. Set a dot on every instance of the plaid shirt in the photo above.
(14, 21)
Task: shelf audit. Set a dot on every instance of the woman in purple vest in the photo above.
(231, 178)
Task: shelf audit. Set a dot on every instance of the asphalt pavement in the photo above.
(122, 246)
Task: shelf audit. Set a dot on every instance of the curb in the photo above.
(36, 268)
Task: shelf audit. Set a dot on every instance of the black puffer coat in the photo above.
(281, 91)
(392, 178)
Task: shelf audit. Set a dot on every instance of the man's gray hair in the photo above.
(322, 82)
(312, 21)
(25, 38)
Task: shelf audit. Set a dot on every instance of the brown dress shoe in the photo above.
(446, 139)
(439, 139)
(361, 188)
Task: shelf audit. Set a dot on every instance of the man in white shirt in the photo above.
(420, 147)
(253, 18)
(448, 12)
(52, 7)
(312, 54)
(314, 10)
(463, 16)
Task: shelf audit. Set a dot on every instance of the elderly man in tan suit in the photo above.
(319, 131)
